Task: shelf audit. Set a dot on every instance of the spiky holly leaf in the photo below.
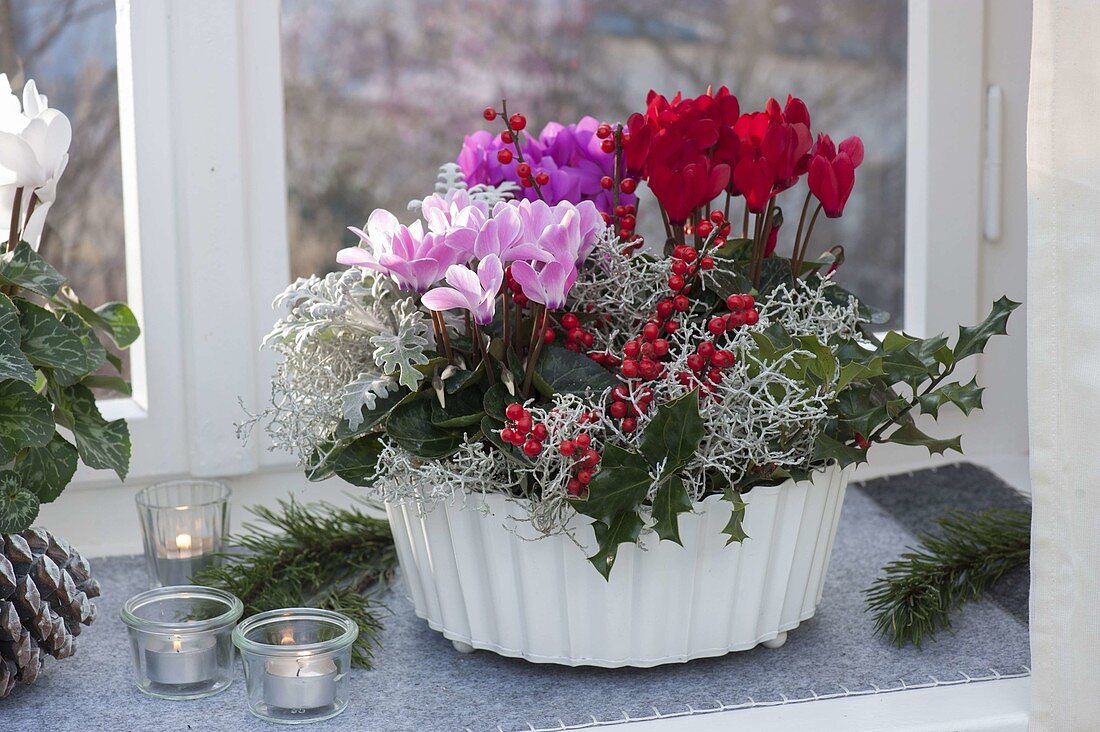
(858, 371)
(734, 527)
(967, 397)
(622, 528)
(18, 507)
(674, 433)
(909, 434)
(46, 470)
(972, 339)
(863, 408)
(828, 449)
(671, 500)
(101, 444)
(25, 419)
(562, 371)
(22, 267)
(619, 487)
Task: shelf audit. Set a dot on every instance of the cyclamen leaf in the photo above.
(735, 528)
(674, 433)
(13, 363)
(67, 345)
(410, 426)
(490, 430)
(972, 339)
(18, 507)
(47, 470)
(623, 528)
(101, 444)
(121, 323)
(619, 487)
(358, 462)
(568, 372)
(671, 501)
(25, 419)
(23, 267)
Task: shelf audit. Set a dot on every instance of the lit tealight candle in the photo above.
(183, 543)
(303, 682)
(180, 559)
(181, 659)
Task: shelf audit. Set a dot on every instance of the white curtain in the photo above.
(1063, 156)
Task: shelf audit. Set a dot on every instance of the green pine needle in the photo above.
(311, 556)
(917, 593)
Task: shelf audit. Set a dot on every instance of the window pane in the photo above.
(378, 94)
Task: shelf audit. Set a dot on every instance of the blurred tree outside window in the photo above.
(379, 93)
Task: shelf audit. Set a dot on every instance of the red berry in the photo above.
(504, 156)
(733, 302)
(523, 424)
(523, 170)
(567, 447)
(672, 326)
(722, 359)
(715, 375)
(548, 335)
(542, 177)
(664, 308)
(631, 209)
(751, 316)
(717, 217)
(575, 335)
(489, 113)
(660, 347)
(519, 299)
(583, 440)
(603, 131)
(508, 434)
(515, 411)
(862, 442)
(608, 145)
(628, 222)
(706, 350)
(620, 210)
(696, 362)
(532, 448)
(569, 321)
(629, 369)
(539, 432)
(525, 182)
(630, 350)
(506, 137)
(651, 331)
(706, 263)
(690, 255)
(628, 185)
(605, 216)
(649, 369)
(629, 424)
(591, 458)
(606, 182)
(619, 393)
(574, 487)
(676, 283)
(717, 326)
(748, 301)
(517, 121)
(573, 346)
(588, 339)
(736, 319)
(680, 251)
(584, 476)
(617, 410)
(679, 267)
(704, 228)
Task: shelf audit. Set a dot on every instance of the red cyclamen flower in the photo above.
(833, 173)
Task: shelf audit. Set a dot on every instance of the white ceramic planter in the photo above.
(486, 581)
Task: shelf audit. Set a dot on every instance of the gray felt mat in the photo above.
(420, 683)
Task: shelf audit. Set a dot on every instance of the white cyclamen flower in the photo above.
(34, 150)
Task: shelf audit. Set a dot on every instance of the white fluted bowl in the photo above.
(485, 581)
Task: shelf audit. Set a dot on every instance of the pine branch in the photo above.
(917, 593)
(311, 556)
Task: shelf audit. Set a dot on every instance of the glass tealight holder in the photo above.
(296, 663)
(183, 524)
(182, 640)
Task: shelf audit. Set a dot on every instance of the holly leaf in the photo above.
(909, 434)
(967, 397)
(619, 487)
(858, 371)
(622, 528)
(25, 419)
(734, 527)
(972, 339)
(101, 444)
(47, 470)
(674, 433)
(671, 501)
(568, 372)
(410, 426)
(13, 363)
(828, 449)
(18, 507)
(22, 267)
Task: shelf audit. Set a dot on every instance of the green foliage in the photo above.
(311, 556)
(51, 350)
(410, 426)
(569, 372)
(916, 594)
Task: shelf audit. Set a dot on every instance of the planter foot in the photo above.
(462, 647)
(775, 642)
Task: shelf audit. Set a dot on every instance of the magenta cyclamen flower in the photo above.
(468, 291)
(413, 259)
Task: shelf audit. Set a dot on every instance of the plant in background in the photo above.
(53, 347)
(533, 347)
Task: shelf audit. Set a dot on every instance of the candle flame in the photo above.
(287, 638)
(183, 542)
(177, 645)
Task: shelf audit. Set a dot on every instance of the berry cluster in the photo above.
(528, 178)
(707, 363)
(742, 312)
(522, 431)
(576, 337)
(586, 460)
(626, 408)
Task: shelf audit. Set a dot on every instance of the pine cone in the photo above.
(45, 597)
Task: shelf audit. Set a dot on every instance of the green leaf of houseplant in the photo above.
(671, 501)
(116, 384)
(967, 397)
(734, 528)
(25, 419)
(674, 433)
(101, 444)
(121, 321)
(569, 372)
(22, 267)
(46, 470)
(18, 507)
(463, 409)
(13, 362)
(410, 426)
(972, 339)
(357, 463)
(828, 449)
(623, 528)
(619, 487)
(51, 343)
(909, 434)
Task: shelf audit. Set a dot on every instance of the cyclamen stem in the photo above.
(480, 345)
(809, 233)
(17, 204)
(796, 261)
(538, 331)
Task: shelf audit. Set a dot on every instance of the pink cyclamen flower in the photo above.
(548, 284)
(583, 219)
(469, 291)
(456, 216)
(413, 259)
(505, 235)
